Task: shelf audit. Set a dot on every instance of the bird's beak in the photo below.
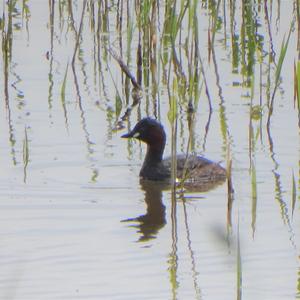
(130, 134)
(127, 135)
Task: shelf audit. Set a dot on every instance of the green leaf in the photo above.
(293, 193)
(254, 197)
(172, 114)
(118, 105)
(283, 50)
(63, 87)
(298, 83)
(256, 112)
(25, 149)
(25, 155)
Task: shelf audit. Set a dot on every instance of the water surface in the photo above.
(75, 221)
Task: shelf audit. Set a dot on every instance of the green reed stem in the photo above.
(283, 51)
(230, 191)
(79, 33)
(254, 197)
(63, 95)
(239, 266)
(293, 193)
(25, 155)
(297, 85)
(172, 116)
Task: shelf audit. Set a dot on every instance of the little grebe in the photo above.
(197, 169)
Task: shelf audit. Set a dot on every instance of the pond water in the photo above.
(75, 221)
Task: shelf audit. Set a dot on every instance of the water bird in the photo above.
(193, 169)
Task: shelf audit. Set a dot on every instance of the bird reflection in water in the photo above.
(149, 224)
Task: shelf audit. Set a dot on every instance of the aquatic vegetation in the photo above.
(224, 76)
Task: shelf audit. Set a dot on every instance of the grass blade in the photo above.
(283, 51)
(25, 155)
(63, 95)
(239, 267)
(293, 194)
(254, 197)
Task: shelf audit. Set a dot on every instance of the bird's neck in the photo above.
(154, 153)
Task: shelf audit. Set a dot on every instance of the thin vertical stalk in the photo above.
(63, 97)
(230, 191)
(294, 196)
(25, 155)
(239, 276)
(283, 51)
(191, 252)
(254, 197)
(79, 33)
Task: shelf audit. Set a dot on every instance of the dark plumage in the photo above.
(199, 170)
